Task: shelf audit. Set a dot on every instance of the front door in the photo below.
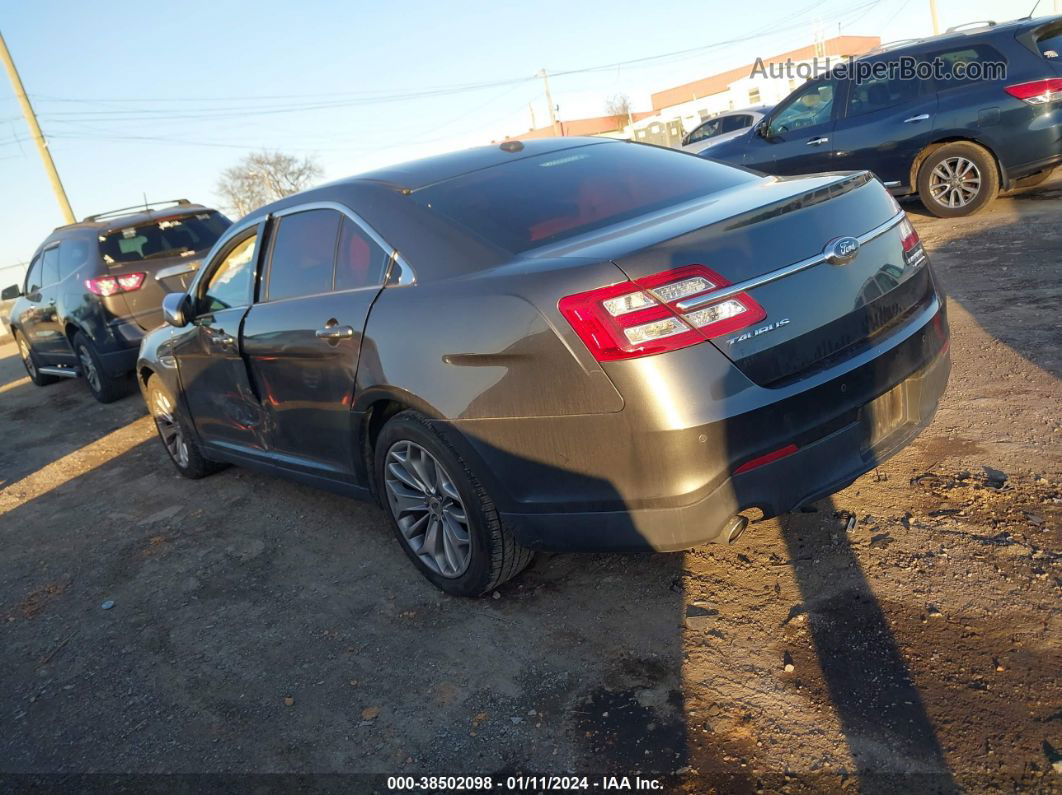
(798, 136)
(220, 398)
(50, 340)
(302, 339)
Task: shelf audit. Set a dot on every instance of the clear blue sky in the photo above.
(158, 98)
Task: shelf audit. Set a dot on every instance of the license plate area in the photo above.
(885, 415)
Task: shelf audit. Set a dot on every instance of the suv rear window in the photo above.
(165, 237)
(1049, 40)
(546, 198)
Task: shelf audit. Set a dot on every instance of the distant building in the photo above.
(679, 109)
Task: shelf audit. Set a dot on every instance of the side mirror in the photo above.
(175, 309)
(686, 140)
(14, 291)
(763, 129)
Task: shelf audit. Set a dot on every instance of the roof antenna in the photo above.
(145, 202)
(1035, 6)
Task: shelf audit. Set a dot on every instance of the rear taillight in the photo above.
(641, 317)
(1038, 92)
(913, 252)
(112, 285)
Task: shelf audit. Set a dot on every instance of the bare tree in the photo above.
(262, 177)
(618, 106)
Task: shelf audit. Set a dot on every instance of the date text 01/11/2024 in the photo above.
(523, 783)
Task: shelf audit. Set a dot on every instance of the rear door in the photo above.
(799, 134)
(216, 385)
(886, 122)
(302, 339)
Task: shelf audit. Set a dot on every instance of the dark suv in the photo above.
(989, 117)
(94, 288)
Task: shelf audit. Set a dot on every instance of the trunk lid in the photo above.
(817, 313)
(161, 276)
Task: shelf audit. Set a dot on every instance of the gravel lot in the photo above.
(262, 626)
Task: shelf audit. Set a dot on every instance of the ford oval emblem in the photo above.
(841, 250)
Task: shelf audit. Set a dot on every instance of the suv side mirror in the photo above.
(175, 309)
(763, 129)
(686, 139)
(14, 291)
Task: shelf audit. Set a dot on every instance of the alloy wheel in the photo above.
(88, 367)
(428, 509)
(955, 182)
(27, 357)
(169, 429)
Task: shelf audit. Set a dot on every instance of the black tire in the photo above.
(946, 180)
(176, 433)
(29, 361)
(494, 556)
(105, 388)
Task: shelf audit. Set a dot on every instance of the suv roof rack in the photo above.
(892, 45)
(143, 206)
(985, 23)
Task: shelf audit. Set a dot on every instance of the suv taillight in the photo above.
(1038, 92)
(641, 317)
(913, 251)
(112, 285)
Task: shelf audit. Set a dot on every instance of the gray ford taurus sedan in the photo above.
(574, 344)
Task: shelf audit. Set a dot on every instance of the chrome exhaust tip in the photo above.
(734, 527)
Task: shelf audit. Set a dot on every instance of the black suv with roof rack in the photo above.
(93, 289)
(953, 118)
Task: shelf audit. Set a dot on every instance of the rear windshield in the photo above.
(1049, 40)
(165, 237)
(546, 198)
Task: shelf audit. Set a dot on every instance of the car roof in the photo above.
(418, 174)
(107, 222)
(955, 36)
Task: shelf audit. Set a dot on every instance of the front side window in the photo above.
(707, 130)
(33, 276)
(303, 254)
(230, 283)
(360, 261)
(72, 255)
(877, 94)
(50, 269)
(811, 107)
(166, 237)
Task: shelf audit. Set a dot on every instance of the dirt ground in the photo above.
(903, 634)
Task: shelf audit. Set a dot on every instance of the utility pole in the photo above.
(552, 109)
(933, 14)
(35, 132)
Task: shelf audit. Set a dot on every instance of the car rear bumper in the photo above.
(812, 472)
(609, 483)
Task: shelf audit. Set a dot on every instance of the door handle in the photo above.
(919, 117)
(817, 141)
(222, 339)
(334, 333)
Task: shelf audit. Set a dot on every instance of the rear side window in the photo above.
(877, 94)
(1049, 40)
(546, 198)
(304, 250)
(739, 122)
(50, 269)
(167, 237)
(360, 262)
(72, 255)
(975, 63)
